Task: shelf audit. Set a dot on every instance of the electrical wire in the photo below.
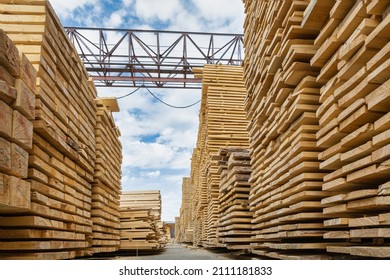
(160, 100)
(130, 93)
(172, 106)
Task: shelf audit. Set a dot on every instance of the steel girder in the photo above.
(152, 58)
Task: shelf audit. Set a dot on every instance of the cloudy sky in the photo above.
(157, 140)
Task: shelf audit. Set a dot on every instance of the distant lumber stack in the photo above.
(234, 223)
(222, 124)
(53, 116)
(185, 232)
(140, 215)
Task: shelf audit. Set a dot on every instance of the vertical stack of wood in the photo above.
(283, 97)
(107, 179)
(17, 111)
(186, 229)
(62, 155)
(222, 124)
(234, 224)
(354, 56)
(140, 213)
(199, 206)
(178, 237)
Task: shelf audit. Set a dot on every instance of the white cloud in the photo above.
(151, 174)
(64, 8)
(157, 9)
(128, 2)
(219, 9)
(116, 19)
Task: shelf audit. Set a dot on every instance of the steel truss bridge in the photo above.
(152, 58)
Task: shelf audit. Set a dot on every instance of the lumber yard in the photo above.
(292, 153)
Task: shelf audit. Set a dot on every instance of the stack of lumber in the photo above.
(107, 179)
(163, 234)
(178, 236)
(234, 224)
(222, 124)
(17, 111)
(354, 57)
(186, 230)
(62, 155)
(199, 206)
(283, 97)
(59, 141)
(140, 213)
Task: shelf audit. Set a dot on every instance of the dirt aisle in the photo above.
(178, 252)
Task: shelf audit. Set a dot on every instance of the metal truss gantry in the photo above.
(151, 58)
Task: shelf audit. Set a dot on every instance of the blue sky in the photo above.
(157, 140)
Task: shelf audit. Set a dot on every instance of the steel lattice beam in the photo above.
(151, 58)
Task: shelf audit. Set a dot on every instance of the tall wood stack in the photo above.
(17, 111)
(199, 206)
(178, 237)
(354, 57)
(318, 81)
(222, 124)
(107, 179)
(234, 224)
(186, 230)
(283, 97)
(140, 214)
(60, 140)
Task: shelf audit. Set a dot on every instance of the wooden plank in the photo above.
(364, 251)
(9, 54)
(19, 161)
(22, 130)
(6, 118)
(25, 100)
(7, 92)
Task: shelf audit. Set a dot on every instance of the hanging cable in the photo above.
(130, 93)
(163, 102)
(172, 106)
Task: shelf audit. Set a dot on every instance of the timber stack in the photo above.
(186, 230)
(178, 236)
(234, 223)
(222, 124)
(354, 57)
(52, 144)
(140, 217)
(17, 112)
(283, 97)
(106, 187)
(317, 78)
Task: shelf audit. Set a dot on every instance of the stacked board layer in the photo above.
(106, 187)
(317, 78)
(354, 57)
(140, 221)
(60, 141)
(185, 231)
(283, 98)
(222, 123)
(17, 111)
(234, 223)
